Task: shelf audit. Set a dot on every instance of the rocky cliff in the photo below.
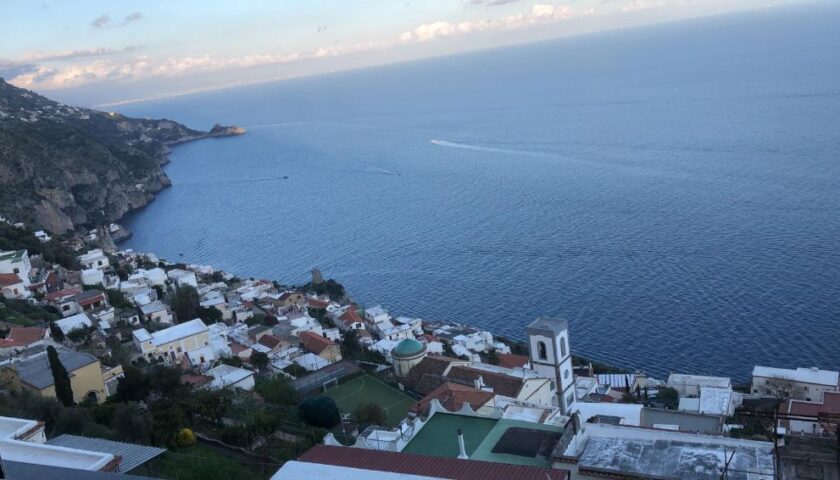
(64, 167)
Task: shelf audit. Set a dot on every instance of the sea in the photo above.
(673, 191)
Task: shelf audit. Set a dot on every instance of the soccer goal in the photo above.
(331, 382)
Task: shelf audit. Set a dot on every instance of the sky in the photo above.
(105, 52)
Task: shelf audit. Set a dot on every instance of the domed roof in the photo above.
(407, 348)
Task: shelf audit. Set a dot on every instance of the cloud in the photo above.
(539, 13)
(45, 57)
(491, 3)
(102, 66)
(101, 21)
(132, 18)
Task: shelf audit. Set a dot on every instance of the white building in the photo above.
(227, 376)
(170, 343)
(93, 276)
(182, 277)
(42, 236)
(157, 312)
(94, 259)
(74, 322)
(807, 384)
(548, 342)
(13, 287)
(16, 262)
(690, 385)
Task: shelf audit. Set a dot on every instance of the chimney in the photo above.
(463, 455)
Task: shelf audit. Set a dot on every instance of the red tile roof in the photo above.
(317, 303)
(509, 360)
(314, 343)
(830, 404)
(23, 336)
(238, 348)
(500, 383)
(270, 341)
(351, 316)
(410, 464)
(427, 375)
(453, 396)
(68, 292)
(7, 279)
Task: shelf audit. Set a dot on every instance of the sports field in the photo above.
(368, 389)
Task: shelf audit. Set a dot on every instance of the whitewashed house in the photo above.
(807, 384)
(94, 259)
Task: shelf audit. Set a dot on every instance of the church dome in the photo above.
(408, 348)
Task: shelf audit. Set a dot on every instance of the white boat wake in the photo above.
(466, 146)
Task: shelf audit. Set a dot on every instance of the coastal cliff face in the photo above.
(64, 167)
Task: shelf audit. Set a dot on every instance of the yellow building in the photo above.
(170, 344)
(34, 374)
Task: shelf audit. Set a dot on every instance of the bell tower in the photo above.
(548, 341)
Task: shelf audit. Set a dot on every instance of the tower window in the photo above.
(541, 353)
(563, 347)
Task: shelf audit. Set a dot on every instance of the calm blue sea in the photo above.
(673, 191)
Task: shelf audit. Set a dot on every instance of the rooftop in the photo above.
(12, 256)
(35, 370)
(436, 467)
(438, 437)
(177, 332)
(153, 307)
(453, 396)
(622, 450)
(408, 347)
(7, 279)
(73, 322)
(314, 342)
(699, 380)
(519, 442)
(132, 454)
(803, 375)
(22, 336)
(550, 325)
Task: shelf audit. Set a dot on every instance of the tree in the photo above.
(56, 333)
(133, 386)
(783, 389)
(132, 422)
(277, 390)
(320, 411)
(259, 360)
(209, 315)
(117, 299)
(185, 303)
(669, 397)
(493, 357)
(370, 413)
(63, 388)
(233, 361)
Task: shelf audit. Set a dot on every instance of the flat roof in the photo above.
(177, 332)
(295, 470)
(133, 455)
(670, 454)
(439, 436)
(41, 454)
(507, 431)
(802, 375)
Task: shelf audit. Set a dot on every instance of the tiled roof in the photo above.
(509, 360)
(269, 341)
(317, 303)
(22, 336)
(88, 296)
(830, 404)
(315, 343)
(427, 375)
(7, 279)
(238, 348)
(410, 464)
(67, 292)
(453, 396)
(350, 317)
(500, 383)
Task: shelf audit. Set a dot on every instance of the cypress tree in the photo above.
(63, 389)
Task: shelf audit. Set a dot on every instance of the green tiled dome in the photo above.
(407, 347)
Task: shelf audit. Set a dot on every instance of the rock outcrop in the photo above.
(64, 167)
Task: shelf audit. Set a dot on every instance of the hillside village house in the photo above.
(828, 405)
(33, 373)
(807, 384)
(93, 276)
(13, 287)
(171, 343)
(157, 312)
(74, 322)
(20, 338)
(182, 277)
(16, 262)
(321, 346)
(94, 259)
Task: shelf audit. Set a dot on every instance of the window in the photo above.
(541, 353)
(566, 374)
(563, 347)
